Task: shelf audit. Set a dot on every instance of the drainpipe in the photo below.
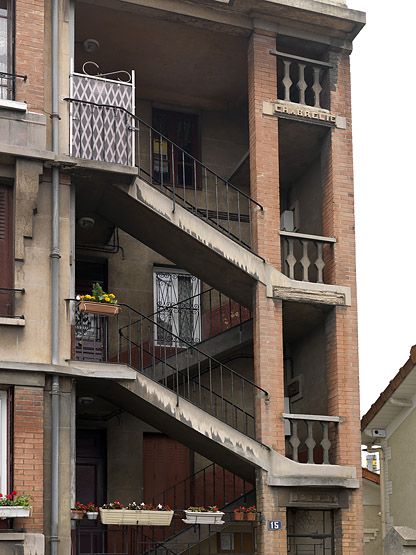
(55, 262)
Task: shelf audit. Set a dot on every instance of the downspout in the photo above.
(55, 262)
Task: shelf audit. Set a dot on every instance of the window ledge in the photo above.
(13, 105)
(12, 321)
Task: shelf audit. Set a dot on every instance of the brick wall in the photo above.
(268, 328)
(341, 328)
(28, 452)
(29, 52)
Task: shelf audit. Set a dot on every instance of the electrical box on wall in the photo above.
(287, 220)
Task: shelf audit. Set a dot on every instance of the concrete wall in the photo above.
(372, 518)
(402, 444)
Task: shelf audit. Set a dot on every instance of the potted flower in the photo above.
(251, 513)
(239, 512)
(99, 302)
(91, 511)
(15, 506)
(78, 511)
(135, 514)
(201, 515)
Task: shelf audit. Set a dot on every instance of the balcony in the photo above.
(304, 257)
(303, 80)
(308, 437)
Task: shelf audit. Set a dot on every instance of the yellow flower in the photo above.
(112, 296)
(107, 299)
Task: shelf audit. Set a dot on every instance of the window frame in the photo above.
(10, 85)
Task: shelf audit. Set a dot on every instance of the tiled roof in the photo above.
(372, 476)
(390, 389)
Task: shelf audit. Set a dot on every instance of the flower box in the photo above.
(91, 515)
(77, 514)
(103, 309)
(209, 517)
(128, 517)
(14, 512)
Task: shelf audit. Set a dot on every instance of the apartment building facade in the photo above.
(194, 158)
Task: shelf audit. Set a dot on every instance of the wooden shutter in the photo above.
(6, 249)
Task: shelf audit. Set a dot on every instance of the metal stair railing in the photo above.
(178, 174)
(212, 485)
(206, 315)
(205, 381)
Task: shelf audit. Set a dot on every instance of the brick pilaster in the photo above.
(268, 332)
(29, 52)
(341, 329)
(28, 452)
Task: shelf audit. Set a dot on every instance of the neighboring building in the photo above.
(194, 157)
(372, 513)
(389, 428)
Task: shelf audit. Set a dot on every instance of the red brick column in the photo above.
(268, 338)
(29, 52)
(342, 341)
(28, 452)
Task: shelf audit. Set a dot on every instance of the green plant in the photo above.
(14, 500)
(91, 508)
(251, 509)
(196, 509)
(78, 507)
(99, 296)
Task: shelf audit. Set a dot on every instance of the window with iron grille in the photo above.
(177, 307)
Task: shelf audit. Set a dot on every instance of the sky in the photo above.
(384, 123)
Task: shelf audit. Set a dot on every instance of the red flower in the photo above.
(1, 495)
(9, 496)
(13, 493)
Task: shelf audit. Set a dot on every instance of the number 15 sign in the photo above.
(274, 525)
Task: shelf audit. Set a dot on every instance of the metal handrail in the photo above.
(191, 346)
(137, 118)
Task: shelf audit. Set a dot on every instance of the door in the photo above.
(90, 329)
(91, 449)
(6, 250)
(171, 165)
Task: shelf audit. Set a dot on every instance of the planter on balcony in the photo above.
(251, 516)
(91, 515)
(128, 517)
(77, 515)
(14, 512)
(103, 309)
(239, 515)
(194, 517)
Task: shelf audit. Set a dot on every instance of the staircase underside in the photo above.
(147, 214)
(207, 435)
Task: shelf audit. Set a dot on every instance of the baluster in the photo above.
(326, 444)
(290, 257)
(302, 86)
(319, 262)
(294, 440)
(287, 81)
(316, 87)
(305, 262)
(310, 442)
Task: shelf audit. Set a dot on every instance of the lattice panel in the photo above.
(102, 132)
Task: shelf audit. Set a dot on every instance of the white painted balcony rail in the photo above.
(304, 256)
(310, 437)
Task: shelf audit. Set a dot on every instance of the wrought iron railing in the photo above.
(304, 256)
(133, 540)
(190, 373)
(302, 80)
(175, 172)
(212, 485)
(8, 85)
(310, 437)
(7, 302)
(199, 317)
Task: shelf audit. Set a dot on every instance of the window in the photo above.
(177, 307)
(3, 442)
(6, 58)
(171, 165)
(6, 250)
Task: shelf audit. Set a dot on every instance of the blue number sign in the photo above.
(275, 524)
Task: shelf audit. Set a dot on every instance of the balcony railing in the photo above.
(104, 127)
(8, 85)
(310, 436)
(304, 256)
(302, 80)
(7, 302)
